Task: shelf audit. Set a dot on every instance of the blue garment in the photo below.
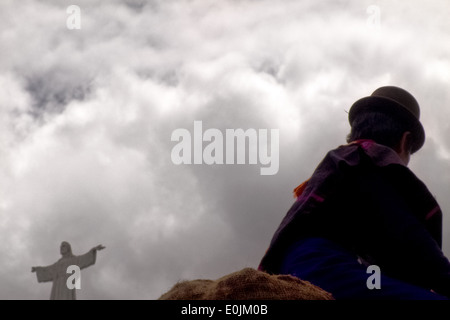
(336, 270)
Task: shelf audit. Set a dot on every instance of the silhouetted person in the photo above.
(362, 206)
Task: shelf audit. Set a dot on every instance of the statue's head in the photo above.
(65, 249)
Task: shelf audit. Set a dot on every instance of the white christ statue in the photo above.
(58, 272)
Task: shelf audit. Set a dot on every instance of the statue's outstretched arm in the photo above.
(99, 247)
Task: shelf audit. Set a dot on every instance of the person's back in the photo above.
(363, 206)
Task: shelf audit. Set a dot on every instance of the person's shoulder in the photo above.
(348, 154)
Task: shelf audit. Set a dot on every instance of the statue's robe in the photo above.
(57, 273)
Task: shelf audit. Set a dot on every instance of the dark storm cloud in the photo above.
(51, 92)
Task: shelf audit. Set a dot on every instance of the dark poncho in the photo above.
(362, 197)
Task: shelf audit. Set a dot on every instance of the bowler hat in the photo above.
(399, 104)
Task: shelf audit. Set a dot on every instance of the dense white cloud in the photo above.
(86, 118)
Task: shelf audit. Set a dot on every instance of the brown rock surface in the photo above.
(247, 284)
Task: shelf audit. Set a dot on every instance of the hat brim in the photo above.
(394, 109)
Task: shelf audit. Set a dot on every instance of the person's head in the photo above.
(384, 130)
(65, 249)
(390, 116)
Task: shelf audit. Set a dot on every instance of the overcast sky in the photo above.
(86, 118)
